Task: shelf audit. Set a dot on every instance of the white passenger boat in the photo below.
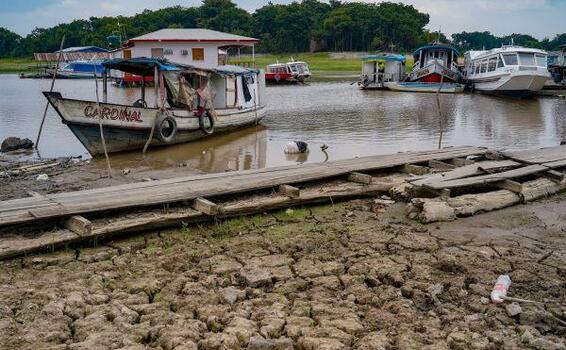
(191, 103)
(447, 88)
(508, 71)
(290, 72)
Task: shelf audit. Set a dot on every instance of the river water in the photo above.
(349, 121)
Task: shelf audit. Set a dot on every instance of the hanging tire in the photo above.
(166, 128)
(206, 115)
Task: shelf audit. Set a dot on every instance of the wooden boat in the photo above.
(79, 69)
(290, 72)
(381, 68)
(450, 88)
(512, 71)
(435, 63)
(192, 103)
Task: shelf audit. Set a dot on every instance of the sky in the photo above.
(539, 18)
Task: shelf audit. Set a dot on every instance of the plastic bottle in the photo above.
(500, 289)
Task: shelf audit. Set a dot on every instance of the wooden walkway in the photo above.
(150, 193)
(465, 180)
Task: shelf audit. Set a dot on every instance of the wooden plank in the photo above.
(205, 206)
(487, 179)
(415, 169)
(461, 161)
(510, 185)
(539, 156)
(174, 190)
(478, 168)
(556, 164)
(555, 175)
(322, 193)
(438, 164)
(540, 188)
(359, 178)
(289, 191)
(77, 224)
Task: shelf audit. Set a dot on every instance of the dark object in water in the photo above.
(296, 147)
(15, 143)
(562, 143)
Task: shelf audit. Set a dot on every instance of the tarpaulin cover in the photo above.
(145, 66)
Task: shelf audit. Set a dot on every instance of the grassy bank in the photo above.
(16, 65)
(320, 62)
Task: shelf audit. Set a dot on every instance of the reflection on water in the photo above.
(351, 122)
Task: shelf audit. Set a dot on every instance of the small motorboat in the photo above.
(513, 71)
(380, 69)
(449, 88)
(79, 69)
(192, 102)
(290, 72)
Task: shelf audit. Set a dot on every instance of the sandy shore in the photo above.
(327, 277)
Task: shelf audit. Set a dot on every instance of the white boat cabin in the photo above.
(507, 58)
(381, 68)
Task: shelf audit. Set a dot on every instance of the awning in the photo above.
(145, 66)
(390, 57)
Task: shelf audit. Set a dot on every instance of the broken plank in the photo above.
(540, 188)
(205, 206)
(438, 164)
(77, 224)
(461, 161)
(359, 178)
(478, 168)
(290, 191)
(488, 179)
(415, 169)
(510, 185)
(555, 175)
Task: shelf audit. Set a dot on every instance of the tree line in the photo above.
(296, 27)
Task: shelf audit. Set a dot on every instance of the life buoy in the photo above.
(277, 77)
(166, 128)
(201, 124)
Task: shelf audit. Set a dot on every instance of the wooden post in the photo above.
(105, 86)
(100, 127)
(290, 191)
(78, 224)
(50, 90)
(205, 206)
(360, 178)
(156, 86)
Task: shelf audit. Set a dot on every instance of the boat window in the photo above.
(526, 59)
(499, 62)
(492, 64)
(483, 66)
(478, 64)
(510, 59)
(541, 60)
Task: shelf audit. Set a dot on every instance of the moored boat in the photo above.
(450, 88)
(192, 102)
(513, 71)
(290, 72)
(381, 68)
(556, 86)
(79, 69)
(435, 63)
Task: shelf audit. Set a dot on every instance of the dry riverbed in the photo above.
(327, 277)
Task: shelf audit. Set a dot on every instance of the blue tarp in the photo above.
(391, 57)
(145, 66)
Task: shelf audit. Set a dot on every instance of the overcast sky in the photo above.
(540, 18)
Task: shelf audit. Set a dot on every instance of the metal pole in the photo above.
(156, 86)
(50, 90)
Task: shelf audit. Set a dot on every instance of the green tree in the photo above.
(9, 41)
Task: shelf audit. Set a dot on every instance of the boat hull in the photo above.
(519, 84)
(447, 88)
(127, 128)
(434, 73)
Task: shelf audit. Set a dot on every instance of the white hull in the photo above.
(518, 83)
(128, 128)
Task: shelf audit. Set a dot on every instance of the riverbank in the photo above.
(328, 277)
(17, 65)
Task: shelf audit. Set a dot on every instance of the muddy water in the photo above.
(351, 122)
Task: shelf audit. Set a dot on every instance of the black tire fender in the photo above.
(166, 128)
(202, 127)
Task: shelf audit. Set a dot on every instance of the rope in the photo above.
(100, 127)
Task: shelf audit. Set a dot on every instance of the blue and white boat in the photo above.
(79, 70)
(381, 68)
(417, 86)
